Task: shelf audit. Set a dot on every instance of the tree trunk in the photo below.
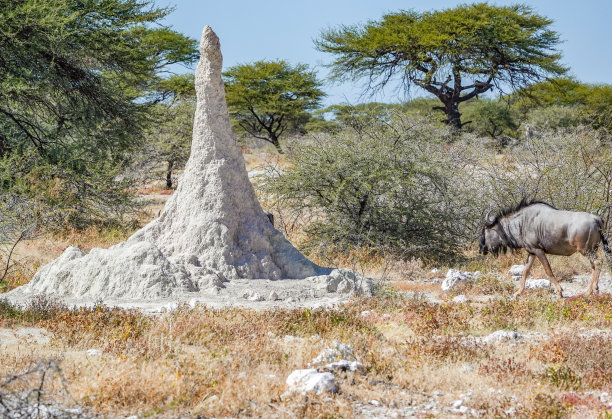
(274, 140)
(453, 116)
(451, 109)
(169, 174)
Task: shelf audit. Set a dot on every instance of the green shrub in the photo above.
(392, 186)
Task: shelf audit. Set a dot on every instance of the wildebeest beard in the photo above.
(497, 250)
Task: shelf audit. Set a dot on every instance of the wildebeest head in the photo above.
(492, 241)
(492, 238)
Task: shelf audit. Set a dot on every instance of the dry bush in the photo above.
(577, 360)
(490, 284)
(21, 274)
(35, 390)
(505, 370)
(544, 406)
(94, 236)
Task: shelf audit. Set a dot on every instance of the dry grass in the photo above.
(230, 363)
(234, 362)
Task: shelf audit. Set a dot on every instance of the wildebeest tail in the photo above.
(604, 241)
(607, 251)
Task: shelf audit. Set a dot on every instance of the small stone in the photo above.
(365, 313)
(252, 296)
(337, 351)
(467, 367)
(537, 283)
(501, 335)
(457, 404)
(93, 352)
(374, 402)
(310, 380)
(172, 306)
(273, 296)
(460, 299)
(454, 278)
(344, 365)
(516, 270)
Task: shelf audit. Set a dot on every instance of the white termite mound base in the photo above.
(212, 231)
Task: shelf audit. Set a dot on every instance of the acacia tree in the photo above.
(454, 54)
(78, 80)
(267, 99)
(169, 142)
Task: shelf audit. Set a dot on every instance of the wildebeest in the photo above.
(540, 228)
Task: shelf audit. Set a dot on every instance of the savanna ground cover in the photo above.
(420, 358)
(421, 351)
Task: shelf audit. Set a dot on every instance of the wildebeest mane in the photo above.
(508, 239)
(504, 212)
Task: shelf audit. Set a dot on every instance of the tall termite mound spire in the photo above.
(214, 219)
(211, 230)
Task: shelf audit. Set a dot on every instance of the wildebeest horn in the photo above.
(489, 218)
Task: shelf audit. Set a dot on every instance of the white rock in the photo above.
(374, 402)
(460, 299)
(310, 380)
(344, 365)
(537, 283)
(467, 367)
(336, 352)
(252, 296)
(291, 339)
(516, 270)
(345, 281)
(457, 404)
(171, 306)
(365, 313)
(273, 296)
(435, 271)
(93, 352)
(501, 335)
(455, 278)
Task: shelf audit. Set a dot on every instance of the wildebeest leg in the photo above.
(528, 265)
(596, 270)
(542, 256)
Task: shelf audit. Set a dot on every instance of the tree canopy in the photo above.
(454, 54)
(592, 101)
(267, 99)
(77, 80)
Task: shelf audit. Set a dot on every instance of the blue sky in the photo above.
(256, 30)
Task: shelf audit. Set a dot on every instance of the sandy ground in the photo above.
(246, 293)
